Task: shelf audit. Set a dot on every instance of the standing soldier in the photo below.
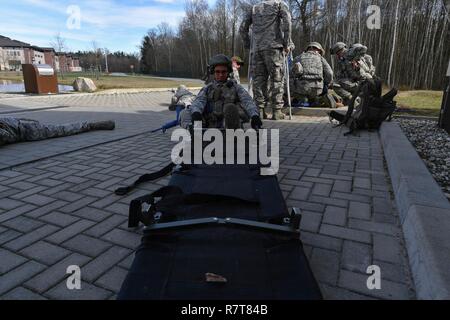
(237, 64)
(271, 31)
(312, 74)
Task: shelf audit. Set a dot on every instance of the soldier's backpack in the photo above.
(372, 110)
(218, 232)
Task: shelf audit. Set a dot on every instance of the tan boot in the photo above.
(278, 115)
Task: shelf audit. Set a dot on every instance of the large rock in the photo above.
(84, 85)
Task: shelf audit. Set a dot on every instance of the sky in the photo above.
(118, 25)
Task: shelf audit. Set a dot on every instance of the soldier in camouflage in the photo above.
(182, 97)
(237, 64)
(223, 103)
(271, 29)
(14, 130)
(311, 75)
(353, 67)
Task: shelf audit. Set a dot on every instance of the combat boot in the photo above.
(102, 125)
(278, 115)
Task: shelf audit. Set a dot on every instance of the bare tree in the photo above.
(59, 45)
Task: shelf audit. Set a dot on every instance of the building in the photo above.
(14, 53)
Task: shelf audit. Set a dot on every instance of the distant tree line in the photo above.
(410, 48)
(117, 61)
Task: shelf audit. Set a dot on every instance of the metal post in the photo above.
(444, 119)
(286, 62)
(106, 60)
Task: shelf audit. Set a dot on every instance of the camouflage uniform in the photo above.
(349, 76)
(216, 100)
(14, 130)
(182, 97)
(271, 28)
(311, 72)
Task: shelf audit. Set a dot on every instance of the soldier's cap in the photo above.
(316, 45)
(338, 46)
(238, 60)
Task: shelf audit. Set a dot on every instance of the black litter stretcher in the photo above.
(217, 232)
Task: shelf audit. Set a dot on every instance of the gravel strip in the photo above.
(433, 146)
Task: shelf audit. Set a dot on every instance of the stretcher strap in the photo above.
(146, 178)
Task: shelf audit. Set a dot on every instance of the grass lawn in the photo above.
(421, 102)
(108, 82)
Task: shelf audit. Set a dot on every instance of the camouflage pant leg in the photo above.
(260, 81)
(34, 131)
(269, 78)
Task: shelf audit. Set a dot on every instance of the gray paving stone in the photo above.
(329, 201)
(94, 192)
(87, 292)
(86, 245)
(375, 227)
(126, 263)
(45, 252)
(20, 274)
(325, 265)
(335, 216)
(9, 235)
(382, 205)
(119, 208)
(387, 248)
(56, 273)
(9, 204)
(50, 182)
(310, 221)
(28, 193)
(38, 200)
(123, 238)
(393, 272)
(9, 261)
(21, 293)
(70, 231)
(59, 219)
(336, 293)
(359, 210)
(351, 197)
(361, 183)
(300, 193)
(77, 204)
(358, 283)
(97, 267)
(29, 238)
(356, 257)
(92, 214)
(68, 196)
(112, 280)
(321, 189)
(105, 226)
(320, 241)
(45, 209)
(9, 214)
(23, 224)
(346, 233)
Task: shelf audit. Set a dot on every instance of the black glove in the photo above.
(197, 116)
(256, 122)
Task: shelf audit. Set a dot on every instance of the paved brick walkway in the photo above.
(61, 210)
